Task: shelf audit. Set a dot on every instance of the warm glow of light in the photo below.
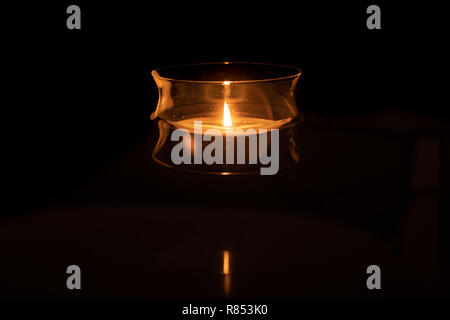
(226, 116)
(226, 262)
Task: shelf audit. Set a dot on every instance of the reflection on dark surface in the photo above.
(226, 273)
(289, 150)
(226, 262)
(361, 195)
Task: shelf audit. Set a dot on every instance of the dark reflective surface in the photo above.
(140, 230)
(82, 188)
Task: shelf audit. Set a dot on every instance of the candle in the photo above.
(203, 109)
(229, 123)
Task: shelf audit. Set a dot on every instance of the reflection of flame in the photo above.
(226, 116)
(226, 262)
(226, 273)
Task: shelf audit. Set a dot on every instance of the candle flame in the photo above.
(226, 116)
(226, 262)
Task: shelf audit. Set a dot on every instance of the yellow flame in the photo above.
(226, 116)
(226, 262)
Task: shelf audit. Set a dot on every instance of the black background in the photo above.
(84, 96)
(77, 101)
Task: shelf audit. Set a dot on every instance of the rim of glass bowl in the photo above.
(296, 72)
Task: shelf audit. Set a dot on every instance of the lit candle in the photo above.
(233, 126)
(229, 122)
(224, 122)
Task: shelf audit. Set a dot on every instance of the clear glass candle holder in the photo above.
(246, 98)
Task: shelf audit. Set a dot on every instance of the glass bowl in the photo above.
(244, 97)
